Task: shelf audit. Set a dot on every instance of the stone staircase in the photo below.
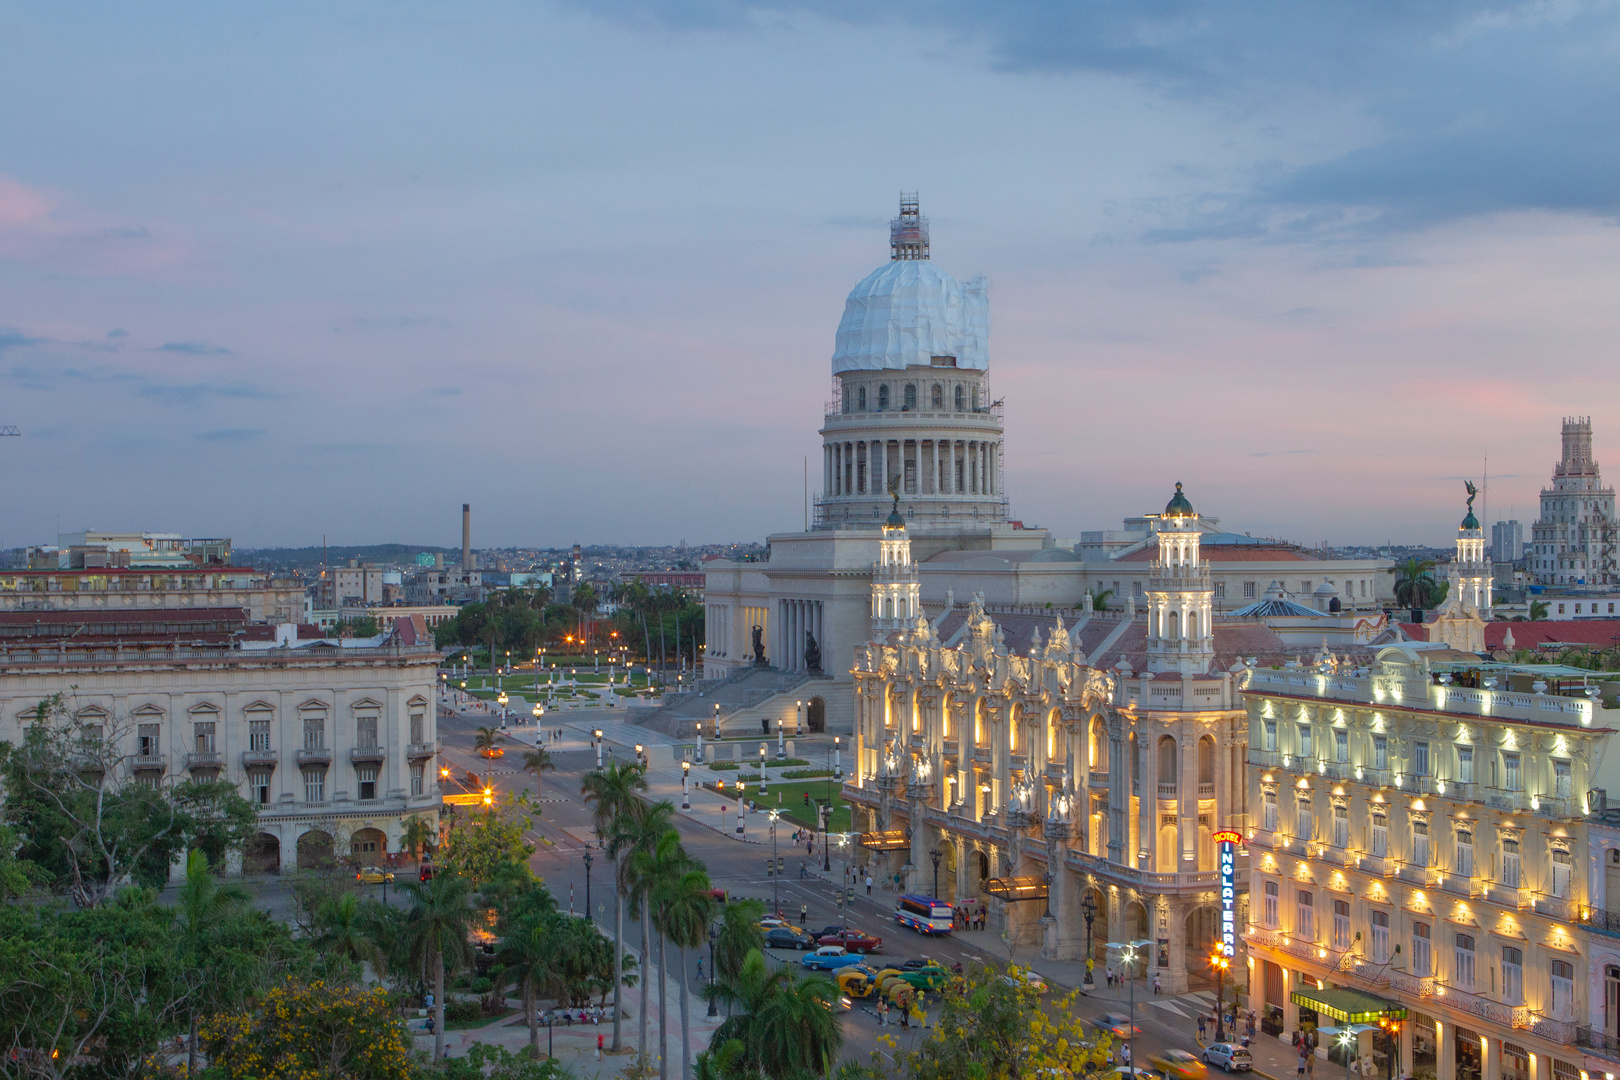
(745, 699)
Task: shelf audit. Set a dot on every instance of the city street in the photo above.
(563, 834)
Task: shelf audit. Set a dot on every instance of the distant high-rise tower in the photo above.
(1507, 541)
(1573, 542)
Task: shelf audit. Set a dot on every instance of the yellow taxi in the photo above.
(1179, 1065)
(370, 875)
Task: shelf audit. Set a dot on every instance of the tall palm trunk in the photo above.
(618, 965)
(533, 1019)
(686, 1023)
(663, 1016)
(438, 1005)
(646, 971)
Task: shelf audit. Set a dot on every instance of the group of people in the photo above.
(968, 916)
(1206, 1023)
(570, 1017)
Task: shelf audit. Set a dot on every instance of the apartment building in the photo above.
(1421, 827)
(266, 598)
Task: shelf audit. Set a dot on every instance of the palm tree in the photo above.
(343, 928)
(487, 737)
(538, 761)
(610, 793)
(739, 935)
(202, 904)
(1538, 610)
(1414, 582)
(657, 873)
(418, 835)
(785, 1024)
(685, 907)
(436, 935)
(530, 957)
(1099, 601)
(634, 842)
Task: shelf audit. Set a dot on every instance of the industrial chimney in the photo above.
(466, 538)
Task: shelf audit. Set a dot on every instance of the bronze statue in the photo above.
(759, 646)
(812, 653)
(1472, 492)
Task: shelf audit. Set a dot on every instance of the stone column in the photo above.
(1490, 1057)
(1445, 1051)
(1409, 1043)
(1175, 976)
(1147, 818)
(1290, 1010)
(1119, 801)
(1187, 796)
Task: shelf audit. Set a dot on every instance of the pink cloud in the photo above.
(37, 227)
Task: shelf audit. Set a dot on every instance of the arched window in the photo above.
(1167, 761)
(860, 400)
(1099, 745)
(1206, 761)
(911, 396)
(960, 398)
(937, 397)
(883, 398)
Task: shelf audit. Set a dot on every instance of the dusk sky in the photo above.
(279, 271)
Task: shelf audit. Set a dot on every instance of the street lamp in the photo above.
(539, 711)
(502, 702)
(1130, 1031)
(1088, 908)
(714, 935)
(587, 884)
(598, 734)
(489, 796)
(742, 806)
(838, 758)
(1220, 963)
(935, 855)
(686, 795)
(776, 903)
(763, 790)
(638, 754)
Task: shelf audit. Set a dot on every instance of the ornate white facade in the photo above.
(1574, 540)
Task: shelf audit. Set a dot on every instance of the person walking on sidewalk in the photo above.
(869, 883)
(1202, 1024)
(804, 910)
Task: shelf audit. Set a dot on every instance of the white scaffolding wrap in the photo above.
(909, 311)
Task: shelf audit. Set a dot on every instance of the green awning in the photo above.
(1348, 1006)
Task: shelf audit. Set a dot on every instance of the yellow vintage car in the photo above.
(856, 981)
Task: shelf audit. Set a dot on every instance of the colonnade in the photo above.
(924, 466)
(795, 618)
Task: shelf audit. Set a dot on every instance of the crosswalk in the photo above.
(1186, 1006)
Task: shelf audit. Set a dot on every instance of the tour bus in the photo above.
(925, 915)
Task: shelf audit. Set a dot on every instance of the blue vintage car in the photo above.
(830, 958)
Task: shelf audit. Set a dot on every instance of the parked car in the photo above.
(927, 977)
(424, 873)
(856, 981)
(1118, 1024)
(771, 922)
(1179, 1065)
(1030, 979)
(830, 958)
(492, 751)
(371, 875)
(854, 941)
(1229, 1056)
(785, 937)
(827, 931)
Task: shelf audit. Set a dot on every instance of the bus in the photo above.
(925, 915)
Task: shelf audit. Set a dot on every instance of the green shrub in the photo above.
(805, 774)
(793, 761)
(462, 1011)
(723, 765)
(482, 985)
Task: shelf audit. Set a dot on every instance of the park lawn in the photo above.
(790, 798)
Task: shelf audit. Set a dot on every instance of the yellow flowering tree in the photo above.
(996, 1026)
(311, 1031)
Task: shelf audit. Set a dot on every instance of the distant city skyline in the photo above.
(338, 269)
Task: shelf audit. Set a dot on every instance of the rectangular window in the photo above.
(147, 740)
(315, 733)
(1341, 826)
(1465, 764)
(417, 774)
(418, 728)
(365, 732)
(1269, 801)
(1304, 740)
(314, 785)
(1420, 758)
(1380, 938)
(1420, 842)
(1305, 820)
(1341, 925)
(1380, 835)
(1269, 911)
(1465, 853)
(1248, 590)
(258, 734)
(259, 785)
(1422, 958)
(1563, 990)
(1510, 862)
(1561, 867)
(1305, 925)
(1341, 746)
(1271, 735)
(205, 737)
(1220, 590)
(1512, 976)
(1510, 769)
(1380, 752)
(1561, 780)
(368, 783)
(1462, 963)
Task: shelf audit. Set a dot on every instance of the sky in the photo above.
(280, 272)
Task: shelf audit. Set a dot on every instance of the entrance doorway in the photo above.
(816, 715)
(261, 854)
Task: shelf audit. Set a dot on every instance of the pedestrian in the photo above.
(1202, 1024)
(882, 1012)
(700, 968)
(1310, 1065)
(869, 883)
(1125, 1055)
(804, 909)
(1299, 1069)
(1155, 982)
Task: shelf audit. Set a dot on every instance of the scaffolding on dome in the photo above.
(908, 233)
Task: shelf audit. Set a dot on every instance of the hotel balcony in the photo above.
(1167, 791)
(147, 762)
(1265, 759)
(1555, 907)
(259, 758)
(1538, 1023)
(1503, 799)
(418, 750)
(1376, 864)
(361, 754)
(1097, 780)
(314, 755)
(1598, 1042)
(205, 759)
(1553, 709)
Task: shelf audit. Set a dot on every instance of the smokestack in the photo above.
(466, 537)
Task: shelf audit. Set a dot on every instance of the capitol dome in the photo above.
(909, 311)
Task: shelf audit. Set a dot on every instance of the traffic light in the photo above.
(807, 798)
